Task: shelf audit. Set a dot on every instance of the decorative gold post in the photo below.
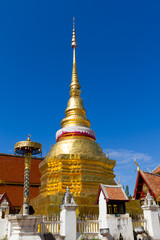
(27, 148)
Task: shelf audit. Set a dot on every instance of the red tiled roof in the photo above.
(12, 177)
(112, 193)
(115, 193)
(12, 169)
(153, 181)
(157, 170)
(15, 194)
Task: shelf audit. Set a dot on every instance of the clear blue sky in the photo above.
(118, 58)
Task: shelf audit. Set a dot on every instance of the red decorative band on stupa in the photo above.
(76, 131)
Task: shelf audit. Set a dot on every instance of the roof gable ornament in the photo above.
(138, 168)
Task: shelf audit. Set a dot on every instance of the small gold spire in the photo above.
(138, 168)
(74, 43)
(28, 139)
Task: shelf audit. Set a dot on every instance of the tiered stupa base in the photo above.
(81, 172)
(49, 205)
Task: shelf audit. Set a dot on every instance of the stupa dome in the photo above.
(83, 147)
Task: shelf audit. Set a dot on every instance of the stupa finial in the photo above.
(75, 112)
(75, 86)
(74, 43)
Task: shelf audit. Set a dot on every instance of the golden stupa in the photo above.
(76, 160)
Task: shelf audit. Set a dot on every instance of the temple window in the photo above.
(115, 208)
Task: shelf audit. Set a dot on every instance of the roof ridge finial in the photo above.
(138, 168)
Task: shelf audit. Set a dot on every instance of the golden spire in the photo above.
(75, 86)
(75, 112)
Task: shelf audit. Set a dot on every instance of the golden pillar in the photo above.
(27, 148)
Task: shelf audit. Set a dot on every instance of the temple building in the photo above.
(147, 182)
(115, 198)
(76, 160)
(12, 180)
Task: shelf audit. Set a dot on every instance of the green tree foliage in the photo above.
(127, 191)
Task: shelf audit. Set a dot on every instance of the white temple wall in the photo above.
(68, 224)
(3, 228)
(102, 211)
(153, 222)
(122, 224)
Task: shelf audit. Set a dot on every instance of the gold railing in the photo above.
(139, 223)
(49, 224)
(88, 224)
